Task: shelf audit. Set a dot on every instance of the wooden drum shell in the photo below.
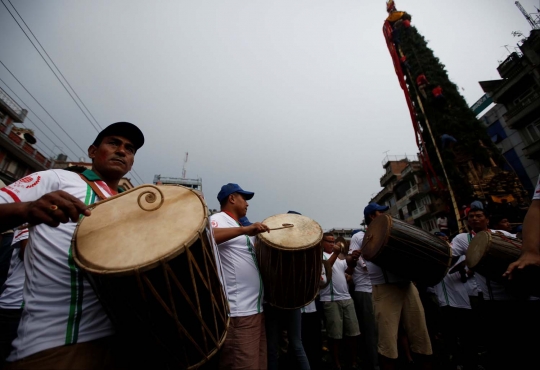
(406, 250)
(290, 261)
(173, 308)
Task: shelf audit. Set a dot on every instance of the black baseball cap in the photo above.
(124, 129)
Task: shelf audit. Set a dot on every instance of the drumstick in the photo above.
(284, 226)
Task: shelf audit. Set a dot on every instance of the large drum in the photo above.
(491, 253)
(290, 260)
(406, 250)
(153, 263)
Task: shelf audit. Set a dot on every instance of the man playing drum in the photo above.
(63, 325)
(395, 299)
(245, 345)
(506, 337)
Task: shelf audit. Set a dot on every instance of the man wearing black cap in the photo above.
(396, 300)
(63, 325)
(245, 345)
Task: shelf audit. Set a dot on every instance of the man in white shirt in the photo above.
(395, 300)
(442, 224)
(363, 305)
(11, 295)
(338, 304)
(496, 303)
(245, 345)
(63, 325)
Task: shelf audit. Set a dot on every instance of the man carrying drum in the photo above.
(245, 345)
(396, 299)
(63, 325)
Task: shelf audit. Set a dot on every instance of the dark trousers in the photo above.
(9, 322)
(312, 339)
(460, 336)
(363, 304)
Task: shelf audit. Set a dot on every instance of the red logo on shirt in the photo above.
(34, 183)
(214, 223)
(27, 179)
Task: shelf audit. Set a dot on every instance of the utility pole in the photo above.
(184, 167)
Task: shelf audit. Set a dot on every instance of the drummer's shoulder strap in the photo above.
(94, 187)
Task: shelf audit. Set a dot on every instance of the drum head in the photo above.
(305, 233)
(478, 248)
(376, 236)
(120, 236)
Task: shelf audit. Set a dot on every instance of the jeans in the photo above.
(292, 321)
(363, 304)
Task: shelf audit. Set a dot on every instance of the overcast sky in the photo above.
(297, 101)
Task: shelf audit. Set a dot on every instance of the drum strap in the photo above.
(94, 187)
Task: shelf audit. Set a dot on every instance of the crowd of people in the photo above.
(371, 318)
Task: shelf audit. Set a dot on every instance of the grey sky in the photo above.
(295, 100)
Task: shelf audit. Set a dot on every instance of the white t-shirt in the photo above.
(337, 290)
(310, 308)
(451, 291)
(537, 190)
(60, 307)
(442, 223)
(243, 281)
(362, 282)
(490, 289)
(11, 297)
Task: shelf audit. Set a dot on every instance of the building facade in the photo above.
(18, 157)
(518, 91)
(407, 193)
(511, 143)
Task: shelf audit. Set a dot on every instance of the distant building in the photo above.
(518, 91)
(18, 157)
(195, 184)
(407, 192)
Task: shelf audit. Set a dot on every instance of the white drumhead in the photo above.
(304, 234)
(120, 236)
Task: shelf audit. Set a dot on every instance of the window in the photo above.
(429, 225)
(531, 133)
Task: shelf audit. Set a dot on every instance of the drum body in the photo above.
(490, 254)
(290, 260)
(406, 250)
(156, 272)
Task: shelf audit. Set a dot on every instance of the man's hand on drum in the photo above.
(256, 228)
(55, 208)
(526, 259)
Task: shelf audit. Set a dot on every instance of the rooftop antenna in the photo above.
(535, 24)
(184, 167)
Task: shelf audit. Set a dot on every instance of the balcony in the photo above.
(387, 177)
(522, 110)
(532, 151)
(510, 66)
(11, 108)
(403, 202)
(412, 167)
(422, 211)
(412, 191)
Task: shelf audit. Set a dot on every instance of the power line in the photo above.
(42, 107)
(52, 61)
(58, 78)
(48, 65)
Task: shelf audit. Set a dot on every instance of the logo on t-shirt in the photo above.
(214, 223)
(27, 182)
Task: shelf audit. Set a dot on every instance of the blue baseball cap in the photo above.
(373, 207)
(244, 221)
(295, 213)
(230, 188)
(439, 233)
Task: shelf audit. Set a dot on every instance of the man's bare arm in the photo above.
(221, 235)
(530, 255)
(51, 209)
